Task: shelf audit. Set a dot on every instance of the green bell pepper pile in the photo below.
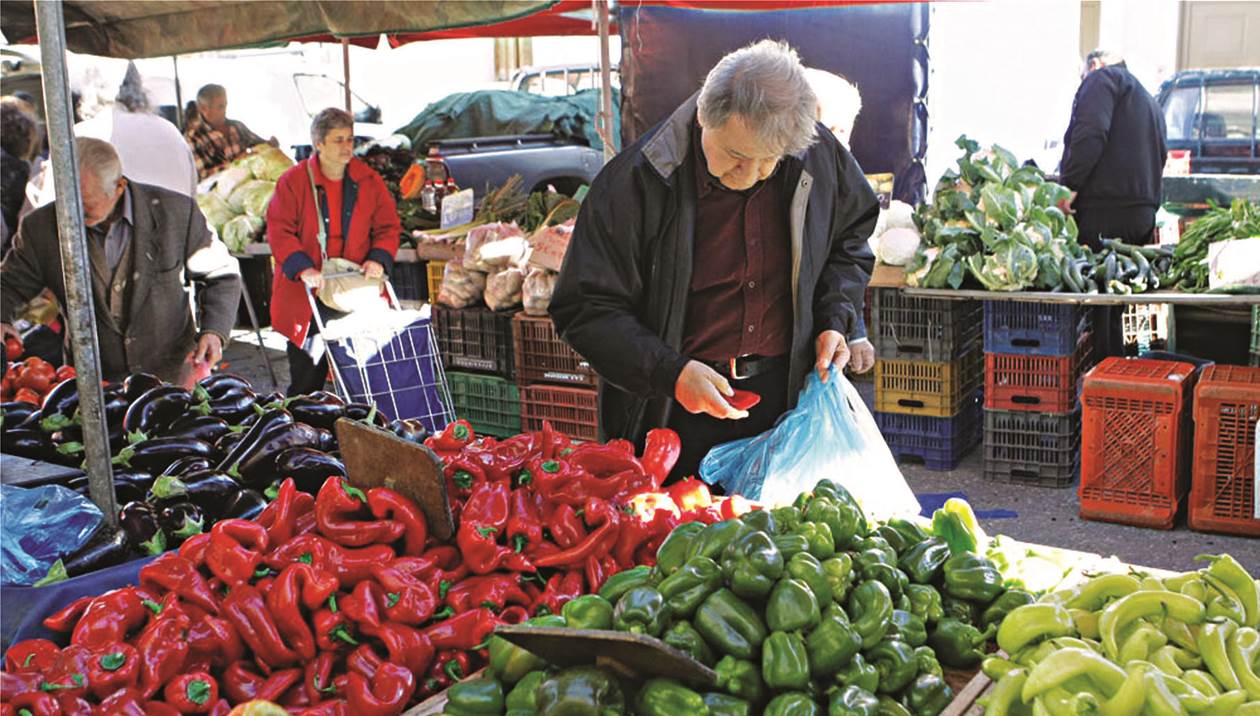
(1133, 644)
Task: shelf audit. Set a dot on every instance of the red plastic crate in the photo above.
(572, 411)
(1135, 441)
(1223, 481)
(541, 357)
(1042, 384)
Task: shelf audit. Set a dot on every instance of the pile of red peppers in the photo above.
(343, 604)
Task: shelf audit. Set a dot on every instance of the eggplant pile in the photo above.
(186, 459)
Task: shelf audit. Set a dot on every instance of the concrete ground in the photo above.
(1038, 515)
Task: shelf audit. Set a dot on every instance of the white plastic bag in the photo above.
(461, 288)
(539, 285)
(829, 434)
(503, 289)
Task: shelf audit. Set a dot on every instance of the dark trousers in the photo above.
(700, 433)
(308, 363)
(1132, 225)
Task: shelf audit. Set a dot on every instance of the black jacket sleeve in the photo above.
(841, 291)
(1086, 138)
(601, 286)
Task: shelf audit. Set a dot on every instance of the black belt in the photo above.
(747, 366)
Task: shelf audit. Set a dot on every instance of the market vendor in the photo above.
(1113, 154)
(143, 241)
(217, 141)
(725, 249)
(360, 223)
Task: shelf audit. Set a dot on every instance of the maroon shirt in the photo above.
(740, 300)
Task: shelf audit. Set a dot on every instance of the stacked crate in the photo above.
(1136, 441)
(1255, 336)
(1223, 494)
(476, 348)
(1034, 358)
(556, 384)
(927, 376)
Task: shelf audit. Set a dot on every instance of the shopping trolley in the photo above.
(390, 360)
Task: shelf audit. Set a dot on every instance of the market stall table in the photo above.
(1091, 299)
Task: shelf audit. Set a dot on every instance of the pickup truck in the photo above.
(542, 160)
(1215, 115)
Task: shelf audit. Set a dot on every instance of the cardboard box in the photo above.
(886, 276)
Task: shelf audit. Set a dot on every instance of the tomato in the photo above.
(13, 347)
(35, 380)
(65, 372)
(27, 396)
(35, 360)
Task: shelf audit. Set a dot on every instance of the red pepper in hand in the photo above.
(386, 694)
(65, 618)
(601, 515)
(215, 640)
(31, 656)
(661, 449)
(332, 631)
(464, 631)
(317, 679)
(194, 549)
(742, 399)
(110, 618)
(336, 508)
(163, 651)
(117, 667)
(280, 517)
(245, 608)
(407, 600)
(236, 549)
(193, 693)
(406, 646)
(299, 585)
(385, 504)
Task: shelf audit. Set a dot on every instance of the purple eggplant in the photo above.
(157, 409)
(363, 411)
(157, 454)
(137, 384)
(59, 406)
(14, 414)
(25, 442)
(234, 406)
(257, 466)
(308, 467)
(202, 427)
(105, 548)
(320, 409)
(140, 522)
(267, 422)
(186, 465)
(327, 440)
(209, 490)
(181, 520)
(227, 442)
(126, 488)
(220, 384)
(246, 505)
(409, 430)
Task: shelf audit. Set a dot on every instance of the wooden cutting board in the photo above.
(378, 458)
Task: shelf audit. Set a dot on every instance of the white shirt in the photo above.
(152, 149)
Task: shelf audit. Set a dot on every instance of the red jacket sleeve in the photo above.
(284, 220)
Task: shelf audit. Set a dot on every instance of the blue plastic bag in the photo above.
(829, 434)
(41, 525)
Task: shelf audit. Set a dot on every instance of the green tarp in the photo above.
(491, 113)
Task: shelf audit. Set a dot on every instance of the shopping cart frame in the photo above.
(434, 421)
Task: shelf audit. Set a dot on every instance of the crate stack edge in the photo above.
(927, 376)
(556, 384)
(476, 348)
(1035, 356)
(1223, 478)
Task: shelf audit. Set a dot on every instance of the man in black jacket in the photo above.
(1113, 154)
(724, 249)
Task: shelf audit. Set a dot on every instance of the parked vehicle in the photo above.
(1215, 115)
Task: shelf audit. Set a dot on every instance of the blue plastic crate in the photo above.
(952, 427)
(935, 453)
(1033, 329)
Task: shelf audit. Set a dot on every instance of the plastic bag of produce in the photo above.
(252, 197)
(536, 293)
(503, 289)
(496, 246)
(240, 231)
(830, 433)
(28, 547)
(226, 181)
(269, 164)
(216, 210)
(461, 288)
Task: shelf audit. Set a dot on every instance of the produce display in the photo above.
(28, 381)
(1134, 644)
(801, 609)
(1000, 224)
(235, 200)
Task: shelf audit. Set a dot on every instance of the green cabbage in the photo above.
(240, 231)
(252, 197)
(215, 209)
(268, 164)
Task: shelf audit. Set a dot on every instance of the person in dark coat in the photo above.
(19, 141)
(724, 249)
(1113, 161)
(1113, 154)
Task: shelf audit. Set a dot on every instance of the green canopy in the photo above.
(154, 28)
(493, 113)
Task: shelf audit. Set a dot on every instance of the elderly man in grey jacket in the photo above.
(144, 244)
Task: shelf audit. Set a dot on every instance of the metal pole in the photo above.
(605, 74)
(79, 312)
(180, 119)
(345, 71)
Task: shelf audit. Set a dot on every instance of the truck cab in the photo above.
(1215, 115)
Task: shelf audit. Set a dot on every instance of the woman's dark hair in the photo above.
(19, 130)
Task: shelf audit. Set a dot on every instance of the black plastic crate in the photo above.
(950, 428)
(1034, 329)
(931, 329)
(410, 281)
(935, 453)
(475, 339)
(1032, 448)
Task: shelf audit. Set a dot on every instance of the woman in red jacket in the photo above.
(360, 222)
